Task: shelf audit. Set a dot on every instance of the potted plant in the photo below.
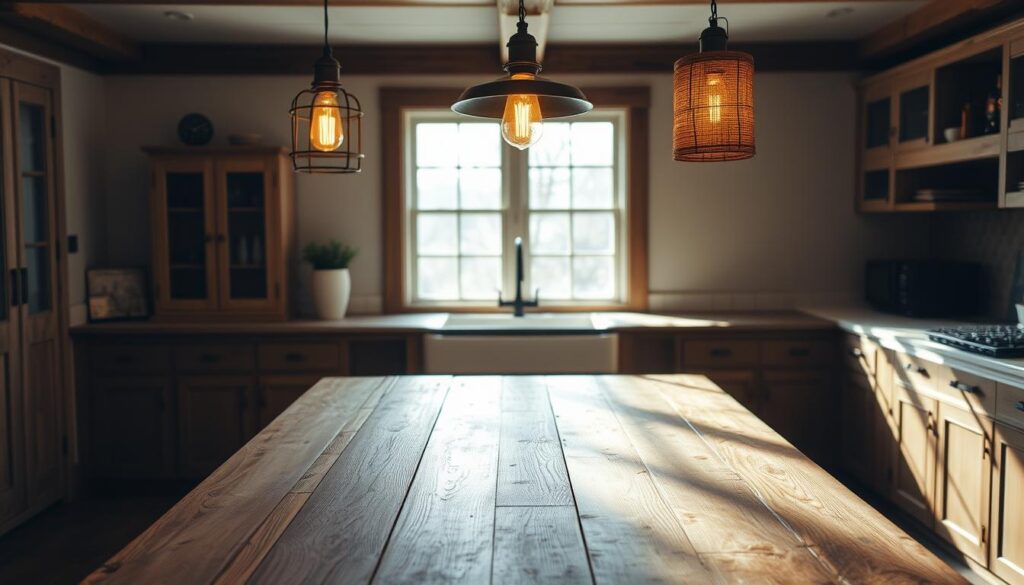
(332, 285)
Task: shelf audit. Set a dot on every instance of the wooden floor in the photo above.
(65, 543)
(563, 479)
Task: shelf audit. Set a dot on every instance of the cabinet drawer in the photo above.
(796, 352)
(717, 353)
(859, 354)
(918, 374)
(1010, 405)
(130, 358)
(300, 356)
(215, 357)
(960, 388)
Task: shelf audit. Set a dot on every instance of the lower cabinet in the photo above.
(132, 426)
(913, 483)
(277, 393)
(740, 384)
(215, 419)
(858, 425)
(1006, 553)
(962, 480)
(166, 406)
(800, 405)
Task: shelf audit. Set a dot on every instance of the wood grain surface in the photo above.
(515, 480)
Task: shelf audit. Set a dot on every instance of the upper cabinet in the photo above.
(945, 131)
(222, 225)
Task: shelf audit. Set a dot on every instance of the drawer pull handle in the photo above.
(969, 389)
(857, 352)
(918, 369)
(1020, 405)
(721, 352)
(799, 352)
(294, 357)
(209, 358)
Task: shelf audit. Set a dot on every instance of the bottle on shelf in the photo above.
(257, 250)
(993, 105)
(243, 251)
(965, 121)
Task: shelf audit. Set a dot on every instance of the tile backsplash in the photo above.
(991, 238)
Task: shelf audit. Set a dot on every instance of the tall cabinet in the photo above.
(223, 233)
(33, 305)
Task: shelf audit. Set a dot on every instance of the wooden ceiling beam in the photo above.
(937, 18)
(72, 28)
(465, 59)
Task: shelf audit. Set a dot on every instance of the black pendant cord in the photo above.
(327, 45)
(714, 11)
(522, 11)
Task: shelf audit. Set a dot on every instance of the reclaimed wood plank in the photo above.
(531, 469)
(710, 499)
(632, 535)
(445, 530)
(265, 537)
(340, 532)
(844, 532)
(207, 527)
(539, 544)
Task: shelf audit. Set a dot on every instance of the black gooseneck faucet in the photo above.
(519, 304)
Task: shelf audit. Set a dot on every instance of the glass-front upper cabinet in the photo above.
(1015, 106)
(183, 235)
(913, 110)
(877, 130)
(221, 232)
(245, 188)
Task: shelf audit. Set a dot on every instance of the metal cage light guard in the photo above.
(346, 157)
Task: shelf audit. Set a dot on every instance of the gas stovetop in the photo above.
(1001, 341)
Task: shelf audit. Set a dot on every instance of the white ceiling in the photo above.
(751, 22)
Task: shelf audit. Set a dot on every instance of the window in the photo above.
(464, 195)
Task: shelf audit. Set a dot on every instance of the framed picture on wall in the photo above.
(117, 294)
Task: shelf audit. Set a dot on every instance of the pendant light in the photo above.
(522, 101)
(713, 100)
(327, 134)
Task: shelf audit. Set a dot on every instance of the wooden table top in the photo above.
(557, 479)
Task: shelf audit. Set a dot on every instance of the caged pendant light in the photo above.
(522, 101)
(713, 100)
(327, 135)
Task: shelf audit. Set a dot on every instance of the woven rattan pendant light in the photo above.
(713, 100)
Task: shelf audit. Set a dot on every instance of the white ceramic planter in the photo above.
(331, 292)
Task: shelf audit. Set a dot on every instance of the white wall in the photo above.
(770, 232)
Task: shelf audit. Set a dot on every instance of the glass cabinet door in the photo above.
(877, 122)
(913, 98)
(244, 193)
(184, 236)
(1015, 107)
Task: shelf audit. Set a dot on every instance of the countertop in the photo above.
(564, 479)
(434, 323)
(910, 336)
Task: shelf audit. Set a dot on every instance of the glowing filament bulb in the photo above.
(521, 124)
(714, 98)
(325, 128)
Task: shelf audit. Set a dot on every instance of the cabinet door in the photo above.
(246, 236)
(858, 425)
(962, 480)
(12, 444)
(184, 223)
(913, 111)
(214, 420)
(800, 406)
(37, 278)
(884, 442)
(1006, 554)
(276, 393)
(913, 486)
(740, 384)
(133, 427)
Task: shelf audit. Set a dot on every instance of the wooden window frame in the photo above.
(394, 101)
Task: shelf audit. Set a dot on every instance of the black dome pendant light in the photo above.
(522, 100)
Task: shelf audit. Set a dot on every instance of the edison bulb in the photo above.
(714, 97)
(325, 128)
(521, 125)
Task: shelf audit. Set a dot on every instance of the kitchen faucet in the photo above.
(519, 303)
